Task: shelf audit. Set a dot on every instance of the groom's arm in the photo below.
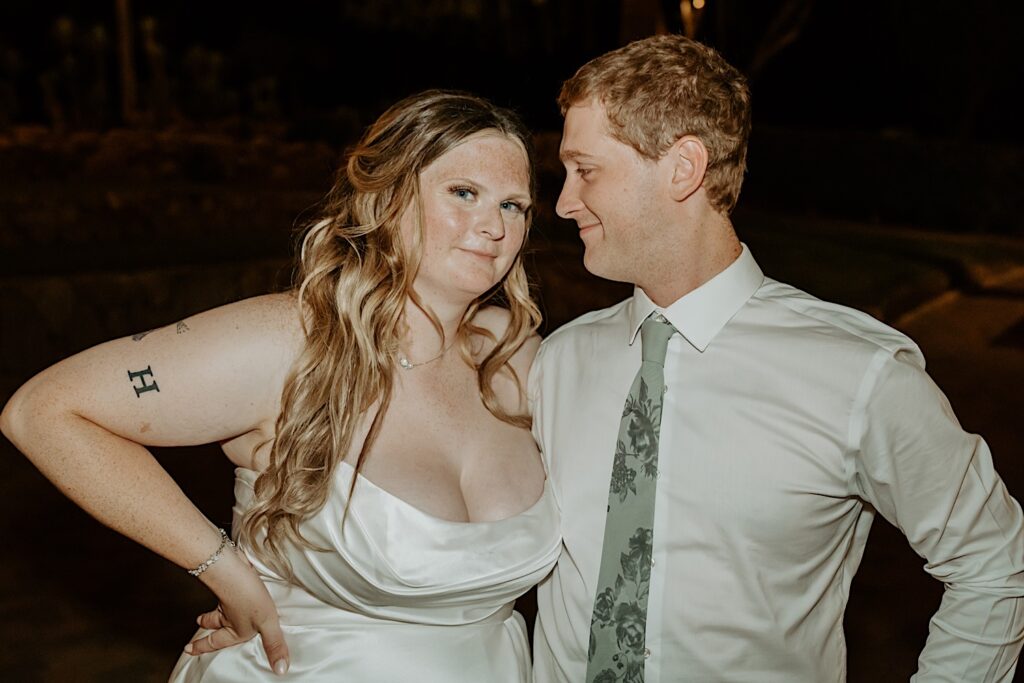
(938, 485)
(534, 398)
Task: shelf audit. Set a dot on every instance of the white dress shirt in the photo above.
(787, 422)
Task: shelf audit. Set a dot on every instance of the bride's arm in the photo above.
(86, 421)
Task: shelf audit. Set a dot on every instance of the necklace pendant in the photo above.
(404, 362)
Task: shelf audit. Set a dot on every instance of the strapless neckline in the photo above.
(394, 593)
(441, 520)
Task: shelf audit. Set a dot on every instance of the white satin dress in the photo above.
(401, 596)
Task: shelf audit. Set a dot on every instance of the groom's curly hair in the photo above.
(656, 90)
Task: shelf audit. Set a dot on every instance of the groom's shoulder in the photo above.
(590, 325)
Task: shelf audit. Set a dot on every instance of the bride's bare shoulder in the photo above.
(496, 320)
(272, 318)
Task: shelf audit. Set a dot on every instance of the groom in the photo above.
(720, 442)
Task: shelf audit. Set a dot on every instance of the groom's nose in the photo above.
(568, 200)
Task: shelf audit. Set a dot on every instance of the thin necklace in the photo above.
(407, 364)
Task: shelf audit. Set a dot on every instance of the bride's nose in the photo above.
(491, 224)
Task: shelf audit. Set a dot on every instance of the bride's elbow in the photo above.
(34, 403)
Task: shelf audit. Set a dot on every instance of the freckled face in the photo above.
(474, 201)
(614, 195)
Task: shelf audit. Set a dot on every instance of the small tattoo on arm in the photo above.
(140, 335)
(144, 386)
(181, 328)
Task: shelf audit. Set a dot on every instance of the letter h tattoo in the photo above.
(144, 386)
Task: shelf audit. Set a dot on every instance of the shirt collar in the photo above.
(702, 313)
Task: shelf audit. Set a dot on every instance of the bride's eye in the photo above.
(513, 206)
(462, 192)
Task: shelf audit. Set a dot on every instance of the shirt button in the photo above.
(647, 652)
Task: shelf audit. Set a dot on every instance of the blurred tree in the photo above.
(205, 94)
(691, 13)
(10, 70)
(735, 23)
(986, 58)
(265, 99)
(782, 31)
(126, 59)
(97, 104)
(158, 89)
(641, 18)
(61, 82)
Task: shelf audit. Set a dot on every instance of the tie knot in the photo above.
(654, 335)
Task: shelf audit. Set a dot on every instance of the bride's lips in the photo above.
(481, 254)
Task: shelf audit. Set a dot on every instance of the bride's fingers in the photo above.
(212, 620)
(274, 645)
(217, 640)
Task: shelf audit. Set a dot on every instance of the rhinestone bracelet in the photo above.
(224, 542)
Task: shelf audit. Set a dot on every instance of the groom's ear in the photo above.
(688, 160)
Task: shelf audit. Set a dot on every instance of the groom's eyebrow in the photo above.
(573, 155)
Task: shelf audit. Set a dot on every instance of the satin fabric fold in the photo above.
(401, 595)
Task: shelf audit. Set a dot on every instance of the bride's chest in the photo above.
(451, 457)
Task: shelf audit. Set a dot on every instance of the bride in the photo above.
(390, 501)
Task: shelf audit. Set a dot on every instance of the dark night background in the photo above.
(942, 69)
(884, 172)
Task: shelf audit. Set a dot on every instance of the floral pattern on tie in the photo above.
(618, 627)
(619, 606)
(644, 426)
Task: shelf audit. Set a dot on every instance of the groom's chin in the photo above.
(597, 263)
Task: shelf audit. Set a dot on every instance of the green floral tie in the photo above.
(619, 622)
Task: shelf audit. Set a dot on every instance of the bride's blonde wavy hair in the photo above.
(353, 279)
